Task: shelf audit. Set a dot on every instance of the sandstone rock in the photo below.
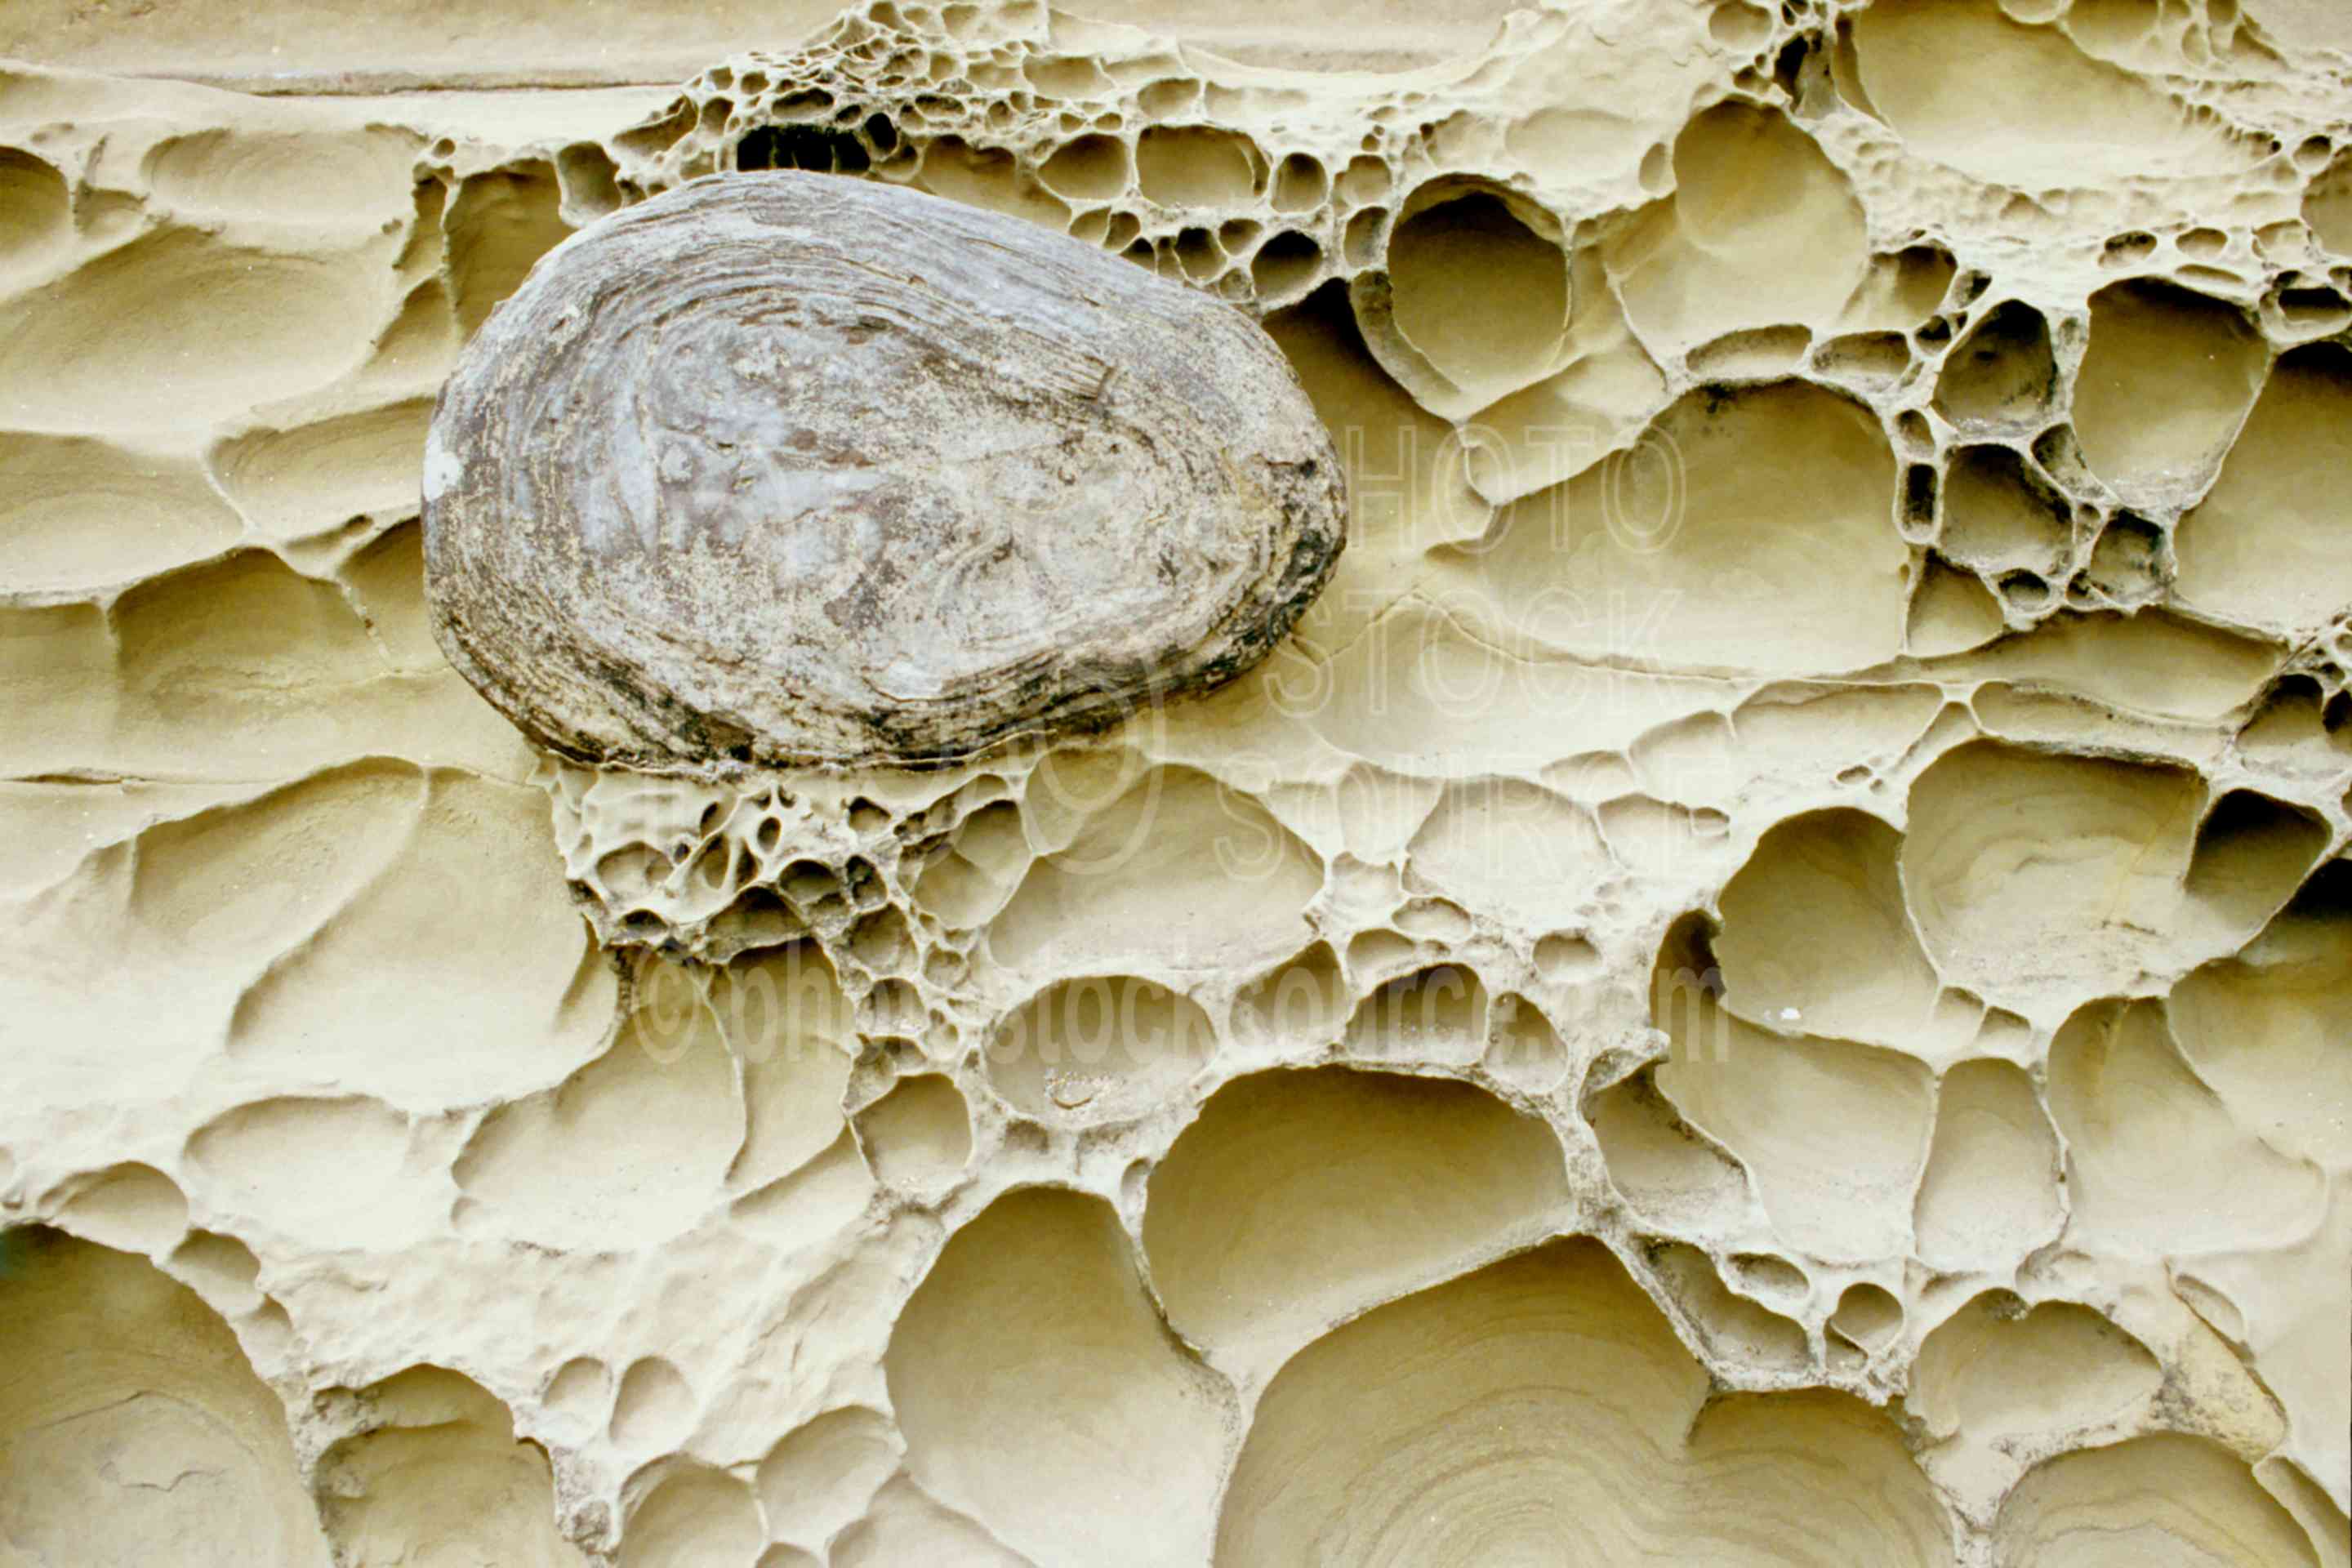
(782, 469)
(1763, 981)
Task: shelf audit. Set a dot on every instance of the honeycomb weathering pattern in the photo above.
(1791, 889)
(792, 470)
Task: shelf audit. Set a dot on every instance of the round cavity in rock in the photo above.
(784, 469)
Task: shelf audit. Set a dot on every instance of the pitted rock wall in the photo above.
(1791, 889)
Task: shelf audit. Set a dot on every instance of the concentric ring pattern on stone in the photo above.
(784, 469)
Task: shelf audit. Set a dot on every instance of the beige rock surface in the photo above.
(1766, 976)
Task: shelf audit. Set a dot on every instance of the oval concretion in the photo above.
(792, 470)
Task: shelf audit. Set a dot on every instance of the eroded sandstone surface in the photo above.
(1766, 976)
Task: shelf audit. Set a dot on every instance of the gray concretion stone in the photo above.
(790, 469)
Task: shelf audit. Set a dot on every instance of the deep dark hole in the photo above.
(1919, 493)
(808, 147)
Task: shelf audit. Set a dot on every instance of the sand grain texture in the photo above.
(1764, 975)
